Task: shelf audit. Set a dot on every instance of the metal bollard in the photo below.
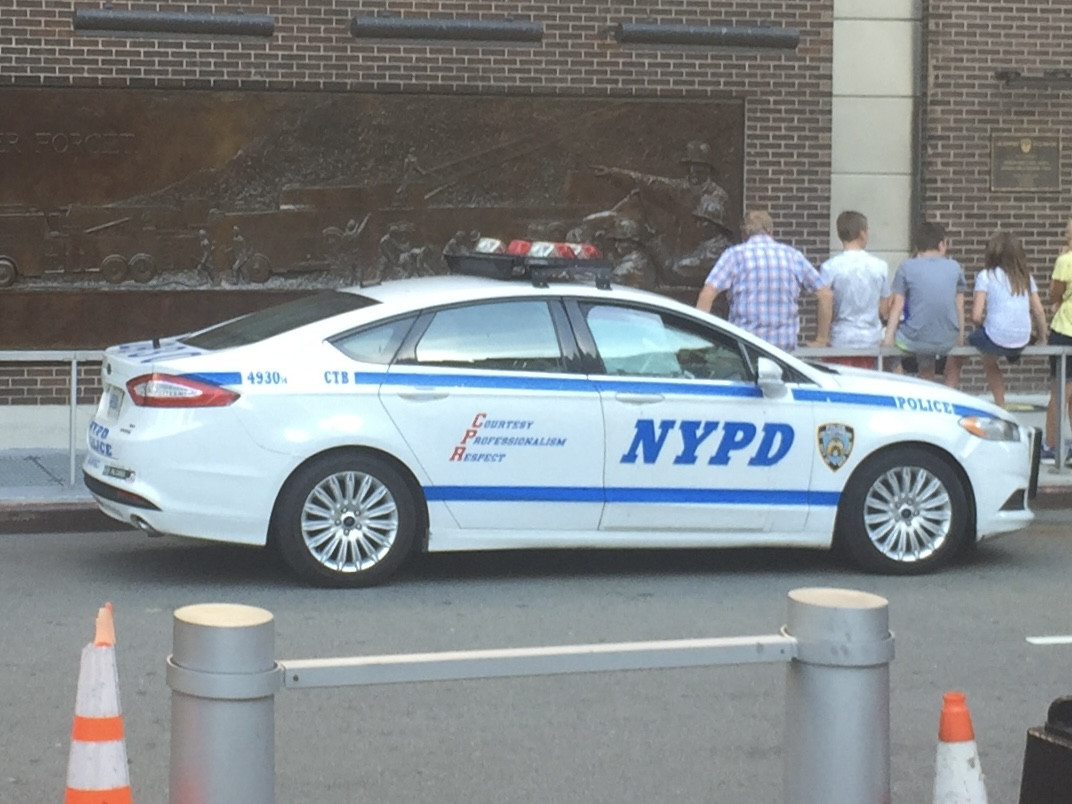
(836, 641)
(223, 676)
(837, 745)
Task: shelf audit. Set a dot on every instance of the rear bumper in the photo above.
(184, 496)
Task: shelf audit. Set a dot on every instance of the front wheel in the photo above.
(114, 268)
(142, 267)
(345, 520)
(904, 512)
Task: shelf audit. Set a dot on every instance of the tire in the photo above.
(257, 269)
(904, 512)
(142, 267)
(345, 520)
(114, 268)
(8, 272)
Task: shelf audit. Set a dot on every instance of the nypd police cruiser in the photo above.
(536, 405)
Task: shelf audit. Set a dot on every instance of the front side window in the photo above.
(648, 343)
(501, 336)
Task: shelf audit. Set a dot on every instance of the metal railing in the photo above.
(224, 676)
(72, 357)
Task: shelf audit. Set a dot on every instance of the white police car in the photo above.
(452, 413)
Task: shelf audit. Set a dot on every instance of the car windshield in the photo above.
(277, 320)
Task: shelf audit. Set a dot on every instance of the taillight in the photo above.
(170, 391)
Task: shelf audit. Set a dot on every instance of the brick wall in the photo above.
(787, 93)
(966, 42)
(787, 163)
(48, 383)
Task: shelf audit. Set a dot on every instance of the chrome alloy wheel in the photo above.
(349, 521)
(908, 513)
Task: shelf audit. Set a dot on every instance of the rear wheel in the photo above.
(8, 272)
(345, 520)
(903, 512)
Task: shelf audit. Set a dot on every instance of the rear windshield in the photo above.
(277, 320)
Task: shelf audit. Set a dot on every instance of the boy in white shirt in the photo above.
(861, 286)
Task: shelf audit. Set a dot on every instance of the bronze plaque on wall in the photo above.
(132, 190)
(1025, 163)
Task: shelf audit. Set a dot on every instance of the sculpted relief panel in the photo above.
(158, 190)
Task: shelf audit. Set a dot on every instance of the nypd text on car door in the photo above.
(692, 443)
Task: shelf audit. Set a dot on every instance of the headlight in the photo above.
(990, 428)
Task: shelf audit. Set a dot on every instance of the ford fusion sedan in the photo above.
(349, 429)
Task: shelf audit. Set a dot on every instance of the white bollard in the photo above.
(223, 676)
(837, 746)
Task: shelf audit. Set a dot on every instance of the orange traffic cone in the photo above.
(958, 777)
(97, 767)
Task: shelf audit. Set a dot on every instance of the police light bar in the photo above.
(541, 248)
(538, 261)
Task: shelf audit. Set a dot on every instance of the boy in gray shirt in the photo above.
(929, 289)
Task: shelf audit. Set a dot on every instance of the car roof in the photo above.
(419, 292)
(415, 294)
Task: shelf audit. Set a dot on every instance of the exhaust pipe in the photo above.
(145, 527)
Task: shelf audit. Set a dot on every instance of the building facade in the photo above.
(902, 109)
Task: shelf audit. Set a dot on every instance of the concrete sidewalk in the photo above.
(38, 487)
(38, 490)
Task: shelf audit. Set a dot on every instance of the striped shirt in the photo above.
(763, 279)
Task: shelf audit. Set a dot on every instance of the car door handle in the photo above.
(638, 399)
(423, 394)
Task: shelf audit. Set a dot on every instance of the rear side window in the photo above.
(376, 344)
(503, 336)
(277, 320)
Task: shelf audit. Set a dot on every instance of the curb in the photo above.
(1052, 497)
(35, 516)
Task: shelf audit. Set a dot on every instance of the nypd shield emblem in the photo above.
(835, 444)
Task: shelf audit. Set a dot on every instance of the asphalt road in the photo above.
(710, 734)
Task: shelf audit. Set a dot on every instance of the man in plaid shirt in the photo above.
(763, 279)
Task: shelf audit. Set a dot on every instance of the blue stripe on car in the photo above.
(534, 383)
(514, 493)
(691, 388)
(843, 397)
(610, 384)
(871, 400)
(216, 377)
(557, 383)
(630, 495)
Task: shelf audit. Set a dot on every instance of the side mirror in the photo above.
(769, 378)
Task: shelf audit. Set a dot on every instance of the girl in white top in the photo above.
(1006, 301)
